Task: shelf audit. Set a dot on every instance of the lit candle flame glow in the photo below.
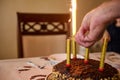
(74, 17)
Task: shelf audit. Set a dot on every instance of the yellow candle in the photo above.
(68, 53)
(101, 67)
(74, 48)
(86, 55)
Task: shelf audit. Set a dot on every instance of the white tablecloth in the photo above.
(37, 68)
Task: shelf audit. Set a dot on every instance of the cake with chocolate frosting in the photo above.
(81, 71)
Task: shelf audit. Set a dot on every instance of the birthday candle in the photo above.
(74, 48)
(68, 53)
(86, 55)
(101, 67)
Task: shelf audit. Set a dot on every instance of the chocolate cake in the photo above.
(81, 71)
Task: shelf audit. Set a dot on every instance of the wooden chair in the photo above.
(37, 24)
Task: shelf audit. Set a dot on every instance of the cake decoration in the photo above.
(81, 71)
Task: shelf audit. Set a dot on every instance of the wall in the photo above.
(8, 19)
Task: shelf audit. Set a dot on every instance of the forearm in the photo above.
(112, 8)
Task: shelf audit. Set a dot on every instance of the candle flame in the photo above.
(74, 17)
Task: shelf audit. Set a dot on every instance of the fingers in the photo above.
(94, 34)
(83, 41)
(106, 35)
(81, 34)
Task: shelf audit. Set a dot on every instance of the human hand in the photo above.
(94, 23)
(106, 35)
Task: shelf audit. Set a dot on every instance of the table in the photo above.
(38, 68)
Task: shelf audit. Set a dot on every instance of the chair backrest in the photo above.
(31, 24)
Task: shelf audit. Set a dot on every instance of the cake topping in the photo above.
(81, 70)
